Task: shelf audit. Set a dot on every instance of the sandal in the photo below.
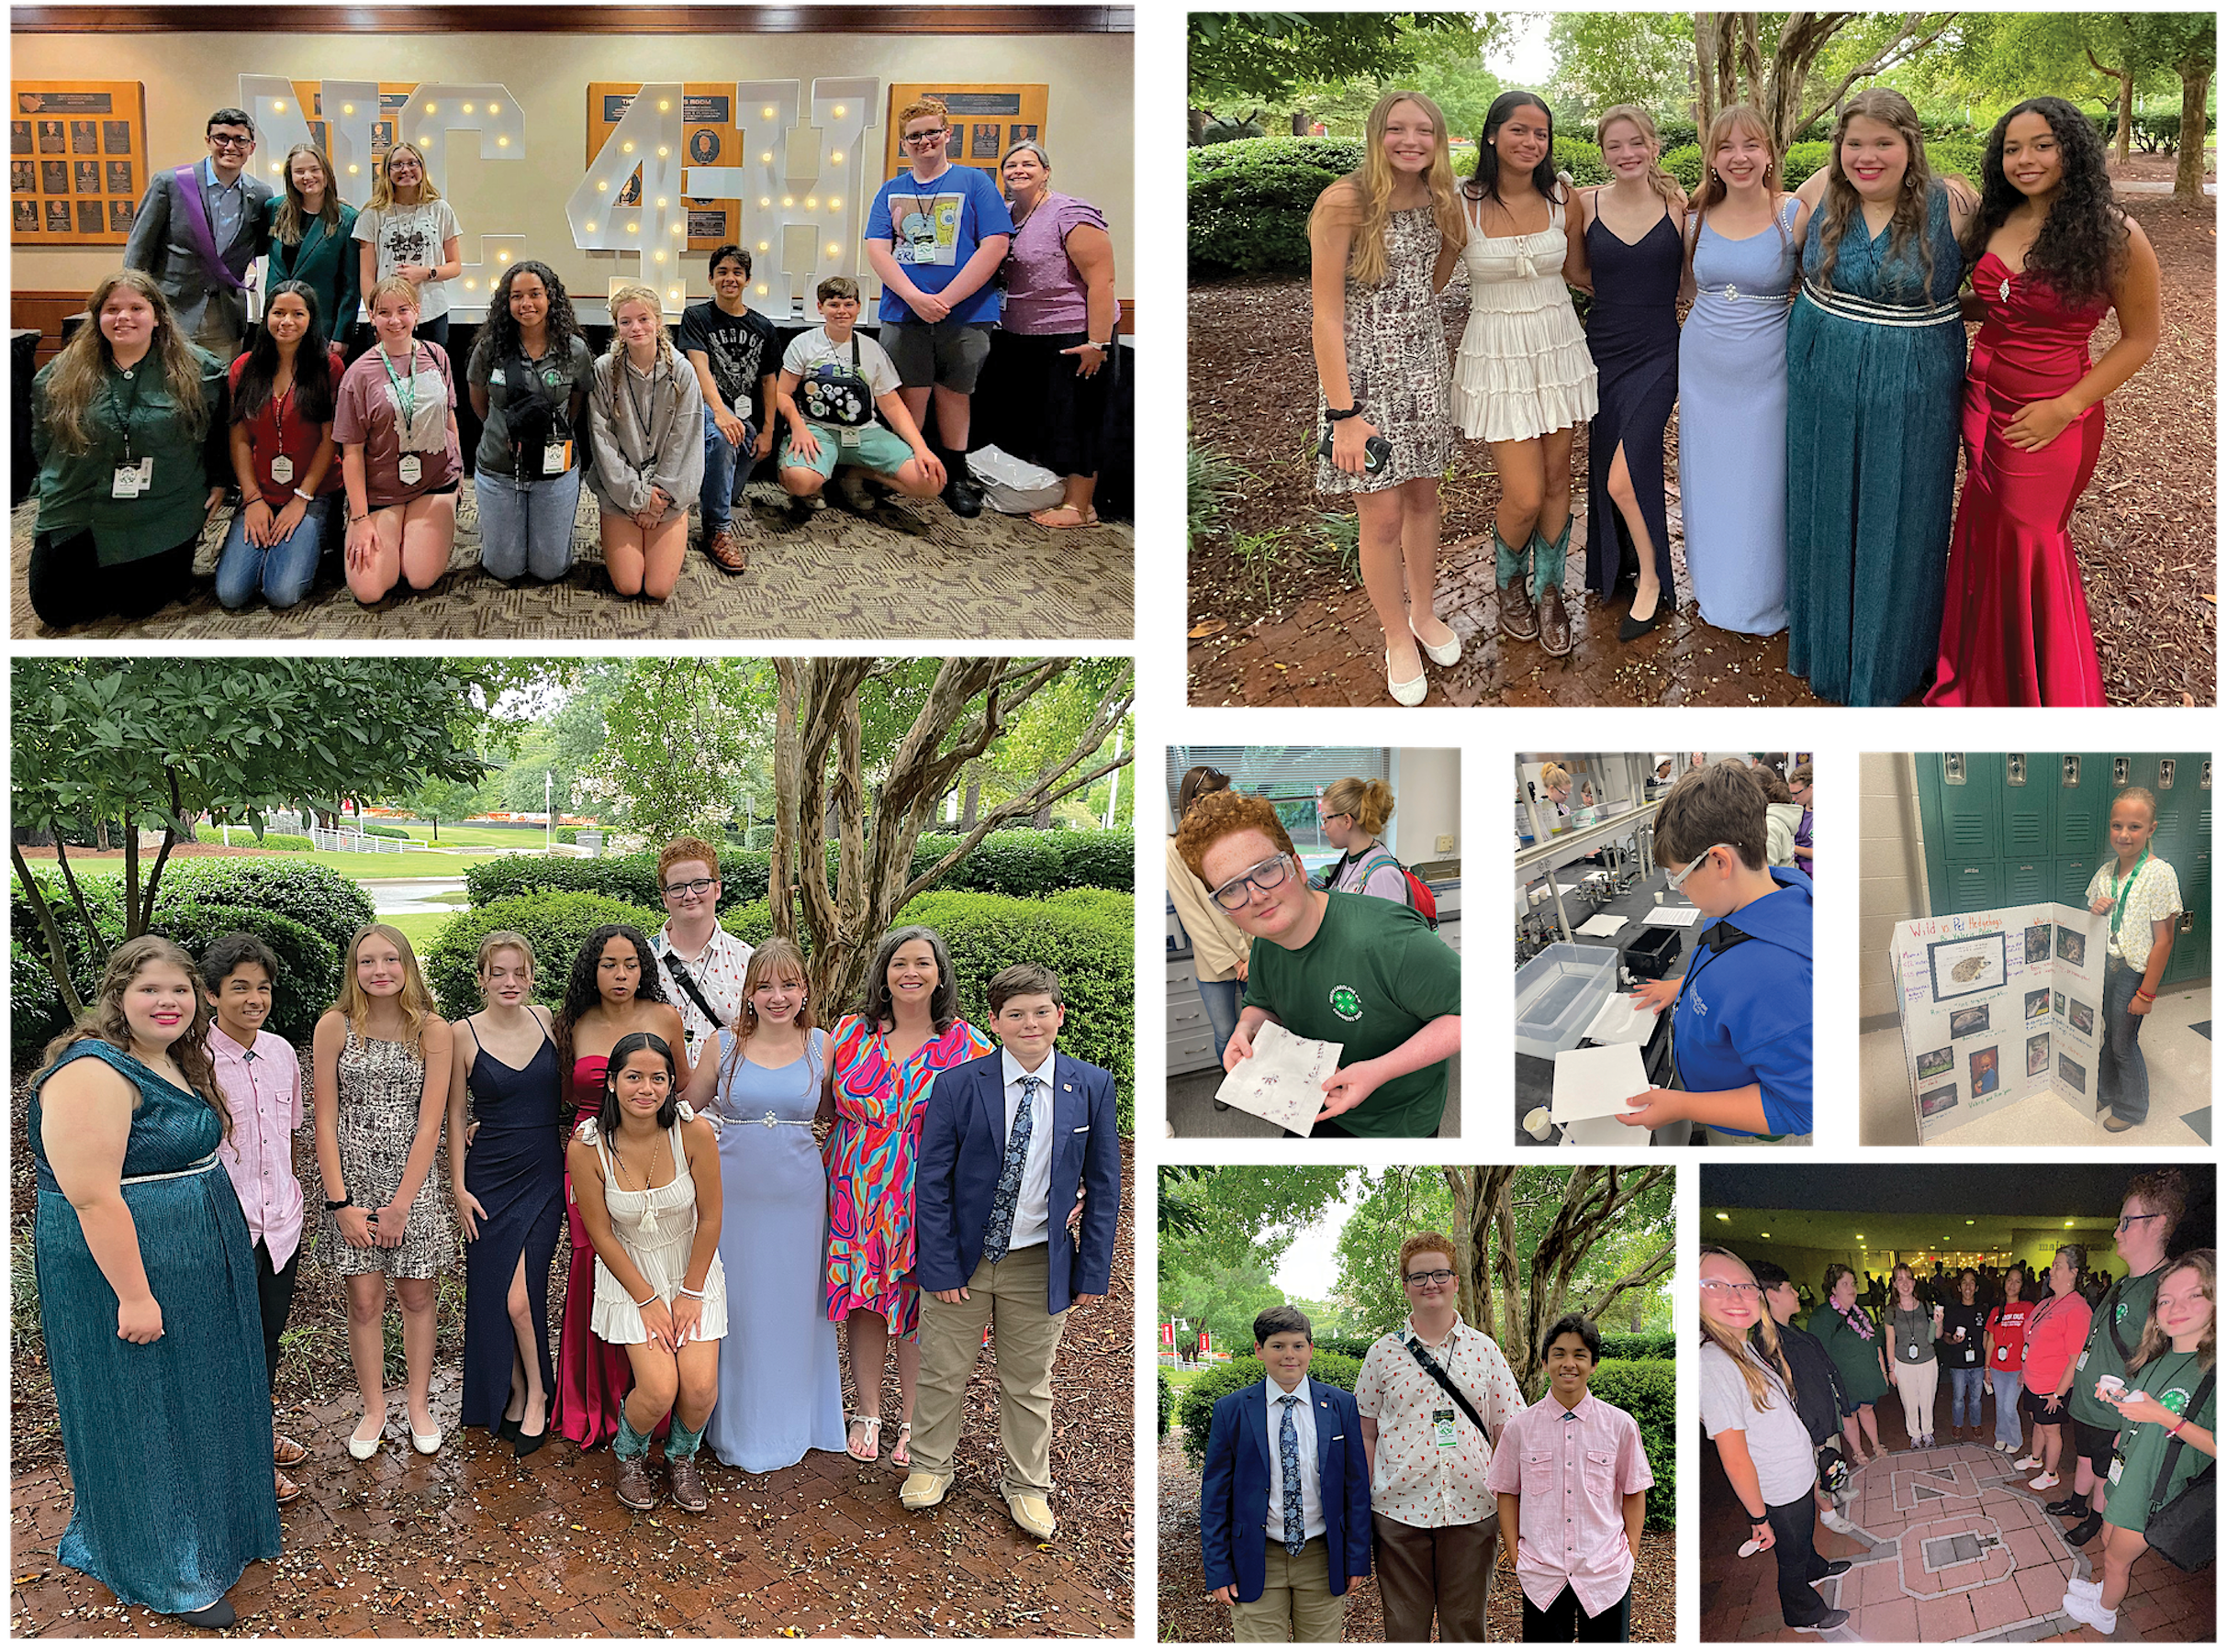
(287, 1491)
(285, 1452)
(1082, 518)
(872, 1452)
(899, 1456)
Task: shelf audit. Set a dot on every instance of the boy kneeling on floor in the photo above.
(1006, 1142)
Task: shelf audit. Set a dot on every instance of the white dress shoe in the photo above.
(363, 1450)
(1409, 693)
(1446, 653)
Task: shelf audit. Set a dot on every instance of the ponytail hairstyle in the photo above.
(1370, 802)
(1758, 1353)
(1888, 108)
(1198, 780)
(1364, 196)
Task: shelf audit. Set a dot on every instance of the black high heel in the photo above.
(1629, 630)
(508, 1428)
(217, 1614)
(527, 1444)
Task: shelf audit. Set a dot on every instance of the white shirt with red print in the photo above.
(1419, 1481)
(717, 973)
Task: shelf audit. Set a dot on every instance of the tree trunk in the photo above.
(972, 810)
(1300, 122)
(2125, 77)
(1196, 121)
(2189, 173)
(58, 953)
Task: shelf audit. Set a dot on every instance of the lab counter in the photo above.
(1535, 1075)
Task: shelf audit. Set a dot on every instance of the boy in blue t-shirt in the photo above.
(935, 235)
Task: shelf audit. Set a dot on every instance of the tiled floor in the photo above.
(1912, 1580)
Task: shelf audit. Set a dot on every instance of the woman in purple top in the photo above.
(1046, 387)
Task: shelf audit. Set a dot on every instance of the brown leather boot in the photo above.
(1518, 615)
(635, 1489)
(687, 1481)
(1554, 621)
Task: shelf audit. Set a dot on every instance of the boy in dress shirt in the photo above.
(1010, 1145)
(1283, 1501)
(261, 1080)
(1572, 1478)
(692, 944)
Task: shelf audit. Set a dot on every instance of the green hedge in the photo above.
(1648, 1388)
(1167, 1401)
(1249, 200)
(289, 841)
(1194, 1412)
(385, 831)
(1352, 1347)
(1641, 1345)
(308, 964)
(556, 924)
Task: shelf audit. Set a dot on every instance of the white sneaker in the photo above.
(2089, 1611)
(2087, 1588)
(2025, 1463)
(2042, 1482)
(1834, 1521)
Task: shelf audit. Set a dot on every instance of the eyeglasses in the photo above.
(1437, 1276)
(2127, 1221)
(219, 140)
(1269, 874)
(1677, 879)
(1721, 1289)
(1343, 814)
(695, 886)
(935, 137)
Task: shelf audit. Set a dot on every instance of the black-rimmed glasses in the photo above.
(695, 886)
(1437, 1276)
(1269, 874)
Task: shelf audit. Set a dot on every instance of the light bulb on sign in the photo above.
(348, 108)
(664, 103)
(467, 108)
(663, 151)
(280, 106)
(432, 110)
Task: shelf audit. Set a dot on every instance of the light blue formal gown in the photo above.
(1732, 426)
(780, 1389)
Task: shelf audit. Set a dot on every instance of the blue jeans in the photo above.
(722, 465)
(283, 572)
(2122, 1077)
(1222, 1000)
(526, 527)
(1967, 1389)
(2010, 1426)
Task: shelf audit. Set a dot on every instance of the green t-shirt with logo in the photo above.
(2172, 1381)
(1373, 975)
(2126, 1305)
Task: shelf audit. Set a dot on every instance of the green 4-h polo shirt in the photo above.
(2127, 1306)
(1373, 975)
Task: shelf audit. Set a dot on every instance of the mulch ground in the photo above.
(1188, 1614)
(1287, 629)
(475, 1540)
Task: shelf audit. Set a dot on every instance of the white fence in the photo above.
(354, 843)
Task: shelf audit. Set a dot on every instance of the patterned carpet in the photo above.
(913, 572)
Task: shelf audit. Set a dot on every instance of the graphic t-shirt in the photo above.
(411, 235)
(2126, 1307)
(810, 350)
(1371, 977)
(739, 350)
(1962, 1355)
(934, 229)
(270, 436)
(370, 411)
(2007, 1325)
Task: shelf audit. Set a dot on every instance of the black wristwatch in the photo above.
(1335, 414)
(341, 1203)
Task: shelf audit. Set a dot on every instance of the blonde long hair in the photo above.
(1715, 191)
(2204, 1264)
(103, 1016)
(1371, 183)
(1758, 1353)
(1888, 108)
(415, 1001)
(383, 186)
(290, 219)
(1660, 182)
(86, 361)
(638, 294)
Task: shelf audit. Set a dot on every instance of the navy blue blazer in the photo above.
(1233, 1491)
(962, 1152)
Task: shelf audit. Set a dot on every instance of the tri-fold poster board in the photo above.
(1997, 1007)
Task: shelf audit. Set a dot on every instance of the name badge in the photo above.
(281, 469)
(2117, 1463)
(2081, 1364)
(1442, 1430)
(133, 480)
(411, 469)
(1913, 1350)
(556, 458)
(850, 436)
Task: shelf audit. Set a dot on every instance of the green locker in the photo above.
(2004, 829)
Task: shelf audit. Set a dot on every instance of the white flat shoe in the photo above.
(1445, 654)
(1409, 693)
(363, 1450)
(427, 1444)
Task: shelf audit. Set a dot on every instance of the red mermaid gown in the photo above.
(592, 1377)
(2014, 630)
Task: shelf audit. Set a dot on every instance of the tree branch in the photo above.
(57, 952)
(1899, 50)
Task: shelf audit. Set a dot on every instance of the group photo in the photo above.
(1701, 359)
(728, 358)
(744, 1125)
(1416, 1396)
(1957, 1402)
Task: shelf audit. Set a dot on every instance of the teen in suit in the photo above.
(167, 237)
(1283, 1502)
(1006, 1140)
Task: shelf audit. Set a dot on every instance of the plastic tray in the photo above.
(1558, 992)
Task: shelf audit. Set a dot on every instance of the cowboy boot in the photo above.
(1549, 561)
(1518, 616)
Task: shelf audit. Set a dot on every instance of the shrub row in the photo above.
(1644, 1344)
(386, 831)
(1166, 1399)
(290, 841)
(1194, 1412)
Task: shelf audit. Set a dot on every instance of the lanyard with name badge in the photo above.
(556, 456)
(132, 479)
(648, 426)
(281, 467)
(1442, 1428)
(406, 400)
(2119, 894)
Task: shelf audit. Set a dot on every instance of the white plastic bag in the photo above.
(1012, 486)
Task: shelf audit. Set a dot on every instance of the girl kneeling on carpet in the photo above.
(396, 423)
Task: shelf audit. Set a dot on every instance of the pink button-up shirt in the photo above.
(1571, 1473)
(263, 1090)
(1418, 1482)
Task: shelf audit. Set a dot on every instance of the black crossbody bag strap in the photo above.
(688, 985)
(1438, 1375)
(2164, 1472)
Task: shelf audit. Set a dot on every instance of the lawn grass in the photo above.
(480, 837)
(420, 927)
(1183, 1378)
(410, 863)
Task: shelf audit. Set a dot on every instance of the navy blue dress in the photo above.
(515, 1168)
(168, 1442)
(1632, 331)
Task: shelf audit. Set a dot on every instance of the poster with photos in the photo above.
(986, 121)
(1966, 981)
(90, 137)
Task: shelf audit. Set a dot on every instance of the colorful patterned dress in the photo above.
(869, 1166)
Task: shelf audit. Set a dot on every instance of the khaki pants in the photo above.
(1447, 1567)
(1008, 1295)
(1296, 1603)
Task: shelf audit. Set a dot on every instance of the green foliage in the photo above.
(759, 837)
(328, 901)
(1644, 1344)
(1648, 1388)
(1265, 56)
(1581, 160)
(1606, 57)
(569, 834)
(1213, 483)
(35, 1012)
(1195, 1412)
(1351, 1347)
(1167, 1401)
(1802, 160)
(556, 924)
(1401, 1200)
(1339, 547)
(285, 842)
(396, 833)
(1963, 155)
(1683, 163)
(1230, 131)
(1249, 202)
(683, 738)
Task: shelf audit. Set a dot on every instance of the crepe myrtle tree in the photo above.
(145, 742)
(933, 719)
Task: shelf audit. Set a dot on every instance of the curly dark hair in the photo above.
(2083, 242)
(582, 994)
(500, 336)
(1484, 184)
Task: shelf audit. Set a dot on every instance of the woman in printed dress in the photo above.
(887, 1055)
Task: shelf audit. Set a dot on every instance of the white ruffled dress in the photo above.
(658, 1229)
(1523, 369)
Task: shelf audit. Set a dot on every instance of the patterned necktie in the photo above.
(1287, 1448)
(997, 1236)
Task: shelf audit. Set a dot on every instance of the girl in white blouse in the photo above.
(2142, 896)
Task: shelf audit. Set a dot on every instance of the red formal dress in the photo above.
(592, 1377)
(2015, 630)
